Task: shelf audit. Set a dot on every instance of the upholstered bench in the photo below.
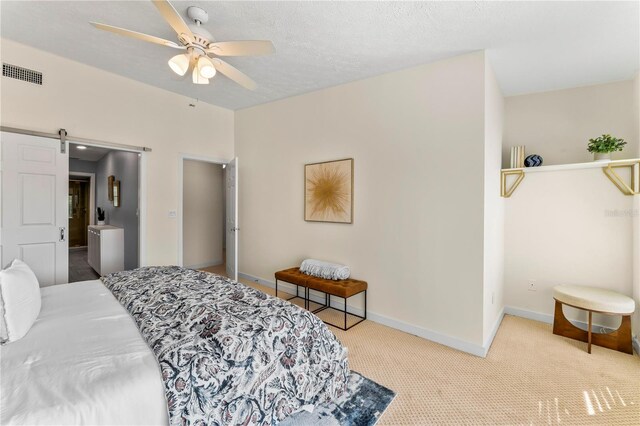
(338, 288)
(593, 299)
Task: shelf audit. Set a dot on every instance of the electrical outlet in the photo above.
(173, 213)
(532, 285)
(493, 297)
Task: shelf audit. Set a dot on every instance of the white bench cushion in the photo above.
(594, 299)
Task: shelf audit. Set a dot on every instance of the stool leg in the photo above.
(365, 304)
(589, 344)
(276, 287)
(345, 313)
(624, 335)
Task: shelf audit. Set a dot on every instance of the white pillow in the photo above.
(20, 299)
(3, 325)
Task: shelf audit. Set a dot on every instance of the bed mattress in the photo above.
(82, 362)
(167, 345)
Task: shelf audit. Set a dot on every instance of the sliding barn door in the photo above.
(35, 176)
(231, 185)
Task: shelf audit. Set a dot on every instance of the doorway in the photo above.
(79, 200)
(203, 215)
(35, 170)
(103, 207)
(207, 232)
(80, 204)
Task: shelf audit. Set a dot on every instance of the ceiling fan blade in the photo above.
(242, 48)
(192, 65)
(135, 34)
(174, 19)
(234, 74)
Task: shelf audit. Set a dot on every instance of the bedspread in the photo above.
(230, 354)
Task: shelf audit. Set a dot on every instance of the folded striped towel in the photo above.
(326, 270)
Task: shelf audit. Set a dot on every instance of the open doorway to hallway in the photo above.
(81, 200)
(204, 216)
(104, 229)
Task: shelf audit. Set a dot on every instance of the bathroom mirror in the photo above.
(110, 181)
(116, 193)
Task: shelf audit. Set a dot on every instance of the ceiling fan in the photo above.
(202, 51)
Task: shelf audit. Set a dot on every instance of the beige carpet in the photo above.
(530, 377)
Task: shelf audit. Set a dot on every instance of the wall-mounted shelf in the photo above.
(608, 167)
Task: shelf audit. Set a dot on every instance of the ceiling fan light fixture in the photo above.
(205, 67)
(198, 43)
(197, 78)
(179, 64)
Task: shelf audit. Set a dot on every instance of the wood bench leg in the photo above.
(619, 340)
(590, 334)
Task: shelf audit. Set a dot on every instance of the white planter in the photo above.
(602, 156)
(101, 222)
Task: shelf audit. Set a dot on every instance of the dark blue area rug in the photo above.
(363, 404)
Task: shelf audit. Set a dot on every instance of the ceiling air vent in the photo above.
(19, 73)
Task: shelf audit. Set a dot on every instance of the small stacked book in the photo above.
(517, 157)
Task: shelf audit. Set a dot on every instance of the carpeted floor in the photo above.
(530, 376)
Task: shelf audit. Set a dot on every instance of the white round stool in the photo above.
(593, 299)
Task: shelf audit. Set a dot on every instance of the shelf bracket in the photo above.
(507, 190)
(634, 169)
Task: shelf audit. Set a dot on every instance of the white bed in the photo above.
(82, 362)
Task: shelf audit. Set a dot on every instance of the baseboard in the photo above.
(548, 318)
(431, 335)
(205, 264)
(494, 331)
(532, 315)
(291, 289)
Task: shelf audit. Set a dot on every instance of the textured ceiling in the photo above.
(533, 46)
(91, 153)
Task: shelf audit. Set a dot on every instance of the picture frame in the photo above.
(116, 194)
(328, 191)
(110, 181)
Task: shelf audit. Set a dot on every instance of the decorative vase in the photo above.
(602, 156)
(101, 222)
(533, 161)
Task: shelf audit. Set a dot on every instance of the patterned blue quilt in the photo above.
(230, 354)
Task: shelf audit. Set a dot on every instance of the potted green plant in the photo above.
(101, 213)
(603, 146)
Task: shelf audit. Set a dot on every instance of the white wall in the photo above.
(569, 227)
(417, 137)
(92, 103)
(493, 207)
(636, 213)
(202, 213)
(559, 124)
(566, 227)
(124, 166)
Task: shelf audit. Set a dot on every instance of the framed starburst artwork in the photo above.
(328, 191)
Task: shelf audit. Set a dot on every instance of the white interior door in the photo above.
(35, 185)
(232, 219)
